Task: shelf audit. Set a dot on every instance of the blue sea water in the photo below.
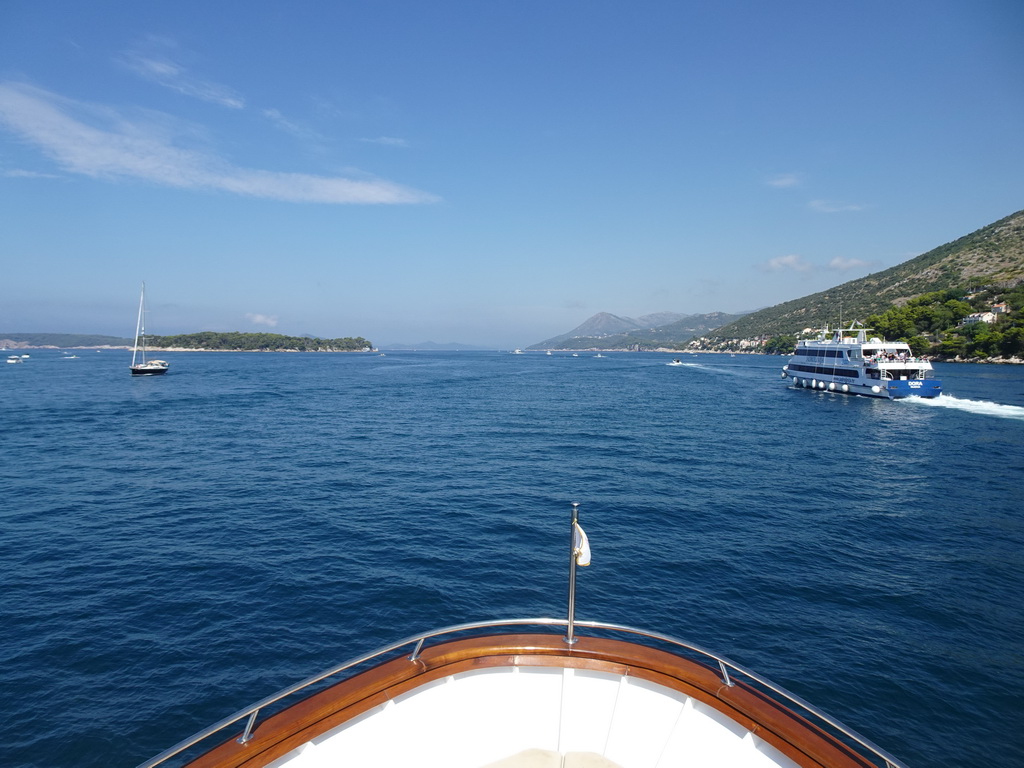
(174, 548)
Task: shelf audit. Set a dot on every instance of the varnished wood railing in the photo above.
(726, 685)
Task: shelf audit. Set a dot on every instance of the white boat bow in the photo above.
(532, 699)
(501, 694)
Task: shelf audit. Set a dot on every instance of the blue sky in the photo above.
(483, 172)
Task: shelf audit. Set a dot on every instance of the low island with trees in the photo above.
(256, 342)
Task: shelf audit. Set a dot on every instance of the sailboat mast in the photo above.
(140, 329)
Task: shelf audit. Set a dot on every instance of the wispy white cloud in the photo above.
(258, 319)
(104, 143)
(785, 181)
(791, 263)
(291, 127)
(387, 141)
(842, 264)
(18, 173)
(795, 263)
(828, 206)
(154, 59)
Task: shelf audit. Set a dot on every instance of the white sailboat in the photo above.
(140, 366)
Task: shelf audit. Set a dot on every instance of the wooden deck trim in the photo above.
(801, 741)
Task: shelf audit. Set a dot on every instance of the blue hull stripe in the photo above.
(915, 388)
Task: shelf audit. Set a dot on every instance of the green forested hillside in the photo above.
(990, 257)
(938, 324)
(933, 324)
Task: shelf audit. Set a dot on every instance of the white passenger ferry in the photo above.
(850, 362)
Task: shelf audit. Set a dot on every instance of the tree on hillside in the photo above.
(780, 345)
(919, 345)
(897, 323)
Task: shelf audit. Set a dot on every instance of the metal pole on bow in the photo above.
(579, 554)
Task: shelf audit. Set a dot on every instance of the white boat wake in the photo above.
(983, 407)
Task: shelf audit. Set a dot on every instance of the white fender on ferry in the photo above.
(846, 387)
(876, 389)
(832, 387)
(784, 374)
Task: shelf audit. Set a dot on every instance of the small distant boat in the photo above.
(517, 352)
(549, 351)
(858, 365)
(598, 355)
(677, 361)
(25, 357)
(13, 359)
(575, 355)
(140, 366)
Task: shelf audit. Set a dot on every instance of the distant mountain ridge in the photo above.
(660, 329)
(606, 324)
(992, 255)
(61, 340)
(425, 346)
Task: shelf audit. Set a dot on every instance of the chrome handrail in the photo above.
(725, 664)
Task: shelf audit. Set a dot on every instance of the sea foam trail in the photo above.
(982, 407)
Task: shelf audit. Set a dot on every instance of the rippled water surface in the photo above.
(175, 548)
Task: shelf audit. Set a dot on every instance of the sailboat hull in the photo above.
(154, 368)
